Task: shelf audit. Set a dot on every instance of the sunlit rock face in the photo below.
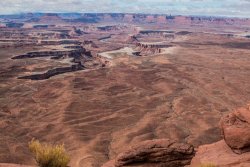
(236, 127)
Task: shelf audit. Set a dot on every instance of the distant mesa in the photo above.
(50, 18)
(130, 18)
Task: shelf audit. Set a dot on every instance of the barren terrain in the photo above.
(100, 87)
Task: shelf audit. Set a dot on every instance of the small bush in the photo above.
(208, 165)
(48, 155)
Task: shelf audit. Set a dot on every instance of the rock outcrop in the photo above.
(234, 150)
(236, 129)
(157, 33)
(160, 152)
(132, 40)
(76, 32)
(90, 44)
(220, 155)
(150, 48)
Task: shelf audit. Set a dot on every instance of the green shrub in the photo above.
(49, 155)
(208, 165)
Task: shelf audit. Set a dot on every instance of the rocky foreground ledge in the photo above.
(232, 151)
(161, 152)
(220, 155)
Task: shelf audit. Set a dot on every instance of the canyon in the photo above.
(125, 89)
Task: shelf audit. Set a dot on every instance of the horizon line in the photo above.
(164, 14)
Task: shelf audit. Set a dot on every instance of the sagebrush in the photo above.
(208, 165)
(47, 155)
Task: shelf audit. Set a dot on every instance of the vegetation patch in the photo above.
(47, 155)
(208, 165)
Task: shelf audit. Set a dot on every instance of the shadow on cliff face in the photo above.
(54, 72)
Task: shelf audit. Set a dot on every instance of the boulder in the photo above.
(219, 155)
(160, 152)
(236, 129)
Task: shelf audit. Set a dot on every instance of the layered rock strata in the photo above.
(160, 152)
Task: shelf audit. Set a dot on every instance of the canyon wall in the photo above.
(49, 19)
